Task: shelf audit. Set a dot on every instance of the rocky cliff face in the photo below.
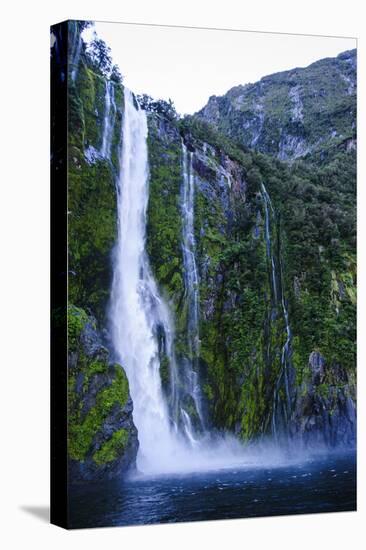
(324, 411)
(292, 113)
(102, 439)
(276, 321)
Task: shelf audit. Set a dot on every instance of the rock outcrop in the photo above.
(102, 438)
(325, 412)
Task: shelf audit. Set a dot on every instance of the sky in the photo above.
(190, 65)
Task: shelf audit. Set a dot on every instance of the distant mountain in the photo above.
(291, 113)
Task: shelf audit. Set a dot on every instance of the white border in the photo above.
(24, 366)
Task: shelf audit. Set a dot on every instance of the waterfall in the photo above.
(141, 327)
(138, 314)
(268, 204)
(191, 284)
(277, 288)
(109, 120)
(136, 307)
(286, 350)
(75, 52)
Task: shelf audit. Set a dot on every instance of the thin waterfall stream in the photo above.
(75, 53)
(277, 288)
(191, 283)
(109, 120)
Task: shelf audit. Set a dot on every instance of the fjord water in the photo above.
(323, 484)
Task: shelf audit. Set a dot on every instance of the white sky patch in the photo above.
(190, 65)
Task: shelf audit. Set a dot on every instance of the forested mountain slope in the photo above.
(276, 258)
(293, 113)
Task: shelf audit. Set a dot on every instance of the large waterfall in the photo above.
(138, 314)
(136, 307)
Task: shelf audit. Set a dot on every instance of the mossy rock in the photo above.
(101, 433)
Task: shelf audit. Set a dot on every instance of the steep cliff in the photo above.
(102, 439)
(293, 113)
(276, 263)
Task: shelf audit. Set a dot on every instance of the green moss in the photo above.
(207, 390)
(165, 371)
(91, 91)
(91, 369)
(111, 449)
(164, 226)
(323, 390)
(92, 232)
(76, 319)
(83, 430)
(91, 190)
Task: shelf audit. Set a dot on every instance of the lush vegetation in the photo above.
(98, 391)
(242, 328)
(112, 448)
(242, 312)
(91, 189)
(89, 407)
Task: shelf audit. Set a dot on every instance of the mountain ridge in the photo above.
(291, 113)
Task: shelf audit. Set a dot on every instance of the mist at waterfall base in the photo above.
(185, 473)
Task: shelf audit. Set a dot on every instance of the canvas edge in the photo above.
(58, 268)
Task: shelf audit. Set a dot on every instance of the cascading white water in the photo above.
(268, 203)
(191, 284)
(282, 303)
(136, 307)
(137, 311)
(109, 119)
(75, 53)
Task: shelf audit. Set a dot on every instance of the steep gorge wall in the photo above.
(102, 439)
(243, 328)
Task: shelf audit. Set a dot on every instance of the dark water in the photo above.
(312, 486)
